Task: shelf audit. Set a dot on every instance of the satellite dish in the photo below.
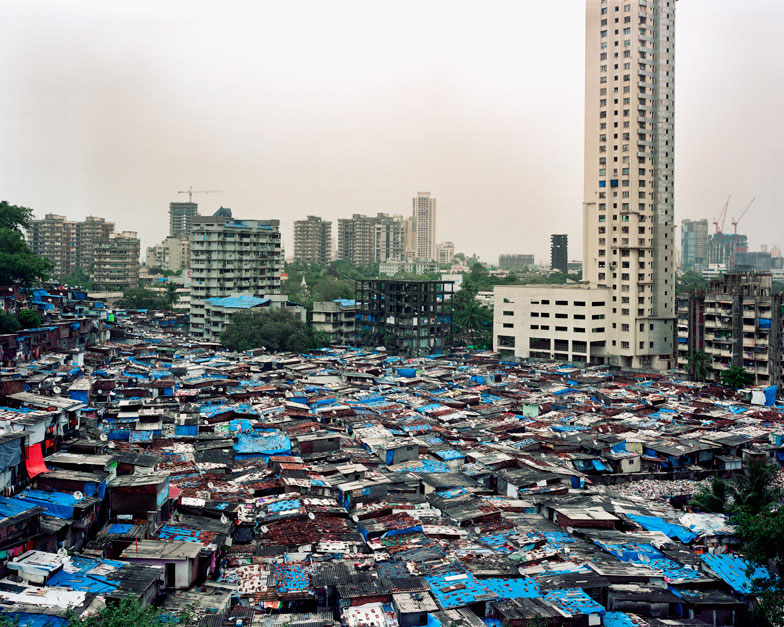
(570, 530)
(104, 437)
(112, 445)
(57, 389)
(211, 485)
(264, 529)
(78, 495)
(223, 519)
(311, 515)
(355, 518)
(61, 552)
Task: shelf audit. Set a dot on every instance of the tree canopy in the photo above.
(132, 613)
(142, 298)
(736, 377)
(18, 264)
(273, 329)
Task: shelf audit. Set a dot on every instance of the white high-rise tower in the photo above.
(628, 221)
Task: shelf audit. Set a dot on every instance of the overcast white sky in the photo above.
(337, 107)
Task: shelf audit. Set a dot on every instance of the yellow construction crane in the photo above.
(190, 191)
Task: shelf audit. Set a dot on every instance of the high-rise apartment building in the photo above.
(559, 253)
(723, 247)
(87, 234)
(694, 245)
(313, 240)
(356, 239)
(54, 238)
(424, 214)
(230, 256)
(628, 222)
(389, 238)
(117, 260)
(181, 215)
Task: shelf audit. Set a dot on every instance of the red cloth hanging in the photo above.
(35, 461)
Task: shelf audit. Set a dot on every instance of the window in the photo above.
(561, 303)
(508, 325)
(509, 313)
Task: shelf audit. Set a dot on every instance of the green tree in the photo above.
(472, 321)
(29, 319)
(18, 264)
(713, 499)
(8, 323)
(131, 613)
(699, 365)
(754, 490)
(171, 294)
(141, 298)
(690, 282)
(274, 329)
(736, 377)
(79, 277)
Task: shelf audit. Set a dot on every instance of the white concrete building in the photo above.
(628, 223)
(230, 256)
(172, 254)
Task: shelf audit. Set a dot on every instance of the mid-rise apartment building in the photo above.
(407, 317)
(336, 319)
(516, 262)
(181, 215)
(172, 254)
(445, 252)
(691, 328)
(232, 256)
(694, 245)
(628, 222)
(117, 260)
(313, 240)
(424, 214)
(743, 326)
(559, 252)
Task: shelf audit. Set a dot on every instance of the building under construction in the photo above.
(408, 317)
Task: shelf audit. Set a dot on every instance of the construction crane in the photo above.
(719, 220)
(735, 230)
(190, 191)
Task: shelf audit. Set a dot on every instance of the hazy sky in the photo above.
(338, 107)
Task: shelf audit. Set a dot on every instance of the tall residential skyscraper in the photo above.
(694, 245)
(181, 216)
(628, 228)
(356, 239)
(559, 252)
(87, 235)
(313, 240)
(628, 222)
(424, 213)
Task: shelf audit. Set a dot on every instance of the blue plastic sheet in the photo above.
(654, 523)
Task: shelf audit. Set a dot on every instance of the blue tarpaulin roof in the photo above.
(238, 302)
(654, 523)
(574, 601)
(57, 504)
(734, 571)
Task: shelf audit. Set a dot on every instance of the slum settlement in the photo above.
(358, 488)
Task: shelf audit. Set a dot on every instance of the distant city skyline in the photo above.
(111, 110)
